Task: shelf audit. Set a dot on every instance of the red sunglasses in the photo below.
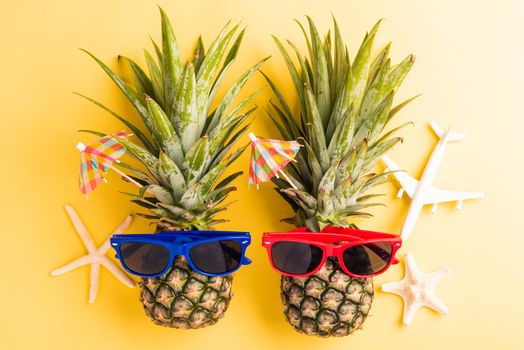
(360, 253)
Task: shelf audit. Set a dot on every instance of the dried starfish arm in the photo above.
(86, 259)
(81, 229)
(111, 266)
(94, 281)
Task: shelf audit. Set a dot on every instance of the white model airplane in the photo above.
(421, 192)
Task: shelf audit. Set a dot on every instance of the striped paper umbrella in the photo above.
(269, 157)
(97, 158)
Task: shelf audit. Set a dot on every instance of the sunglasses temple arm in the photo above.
(395, 261)
(246, 260)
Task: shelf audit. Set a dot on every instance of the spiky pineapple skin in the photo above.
(185, 299)
(328, 303)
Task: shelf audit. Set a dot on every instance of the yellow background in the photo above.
(469, 69)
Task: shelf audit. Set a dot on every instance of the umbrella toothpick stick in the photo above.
(281, 172)
(130, 179)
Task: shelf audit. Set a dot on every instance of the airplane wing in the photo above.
(435, 195)
(409, 184)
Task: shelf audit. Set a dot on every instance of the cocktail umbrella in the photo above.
(98, 158)
(269, 157)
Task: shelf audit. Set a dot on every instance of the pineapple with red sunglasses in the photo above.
(343, 111)
(359, 253)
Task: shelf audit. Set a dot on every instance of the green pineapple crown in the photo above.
(344, 108)
(187, 146)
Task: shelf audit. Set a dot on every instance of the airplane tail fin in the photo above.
(450, 137)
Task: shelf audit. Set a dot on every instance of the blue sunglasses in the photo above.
(210, 253)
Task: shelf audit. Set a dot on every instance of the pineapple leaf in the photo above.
(233, 51)
(325, 191)
(225, 182)
(188, 122)
(142, 155)
(375, 122)
(233, 92)
(192, 197)
(199, 54)
(93, 132)
(314, 166)
(156, 78)
(375, 90)
(306, 76)
(209, 67)
(368, 197)
(320, 74)
(235, 88)
(130, 125)
(234, 156)
(329, 59)
(178, 212)
(397, 108)
(158, 51)
(341, 66)
(196, 161)
(397, 75)
(279, 96)
(143, 84)
(307, 202)
(171, 175)
(214, 90)
(377, 63)
(345, 166)
(299, 86)
(281, 129)
(160, 193)
(229, 145)
(142, 177)
(171, 65)
(128, 91)
(391, 132)
(360, 69)
(207, 182)
(316, 134)
(308, 41)
(343, 137)
(360, 158)
(224, 129)
(381, 118)
(289, 123)
(163, 131)
(145, 202)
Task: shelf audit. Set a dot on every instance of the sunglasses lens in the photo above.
(367, 259)
(144, 258)
(216, 257)
(296, 258)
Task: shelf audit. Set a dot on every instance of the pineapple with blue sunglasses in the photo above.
(210, 253)
(187, 148)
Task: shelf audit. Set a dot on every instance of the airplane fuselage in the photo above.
(425, 183)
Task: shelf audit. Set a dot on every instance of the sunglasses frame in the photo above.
(333, 241)
(180, 243)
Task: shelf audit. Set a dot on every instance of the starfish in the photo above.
(95, 256)
(417, 289)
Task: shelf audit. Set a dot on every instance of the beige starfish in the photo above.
(417, 289)
(95, 256)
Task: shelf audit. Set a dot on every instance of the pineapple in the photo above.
(186, 149)
(343, 110)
